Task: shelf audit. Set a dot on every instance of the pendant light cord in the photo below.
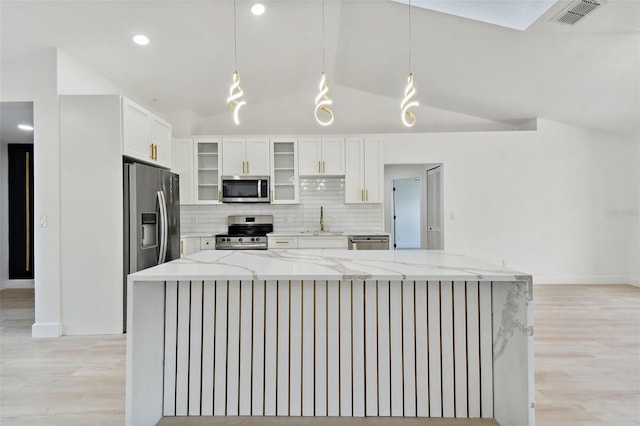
(235, 37)
(323, 68)
(409, 35)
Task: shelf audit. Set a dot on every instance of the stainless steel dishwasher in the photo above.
(368, 242)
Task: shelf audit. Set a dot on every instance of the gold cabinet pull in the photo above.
(366, 195)
(323, 168)
(319, 171)
(272, 195)
(219, 196)
(247, 167)
(151, 146)
(243, 168)
(155, 152)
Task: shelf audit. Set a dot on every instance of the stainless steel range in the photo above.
(246, 233)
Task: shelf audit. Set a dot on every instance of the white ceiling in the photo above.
(587, 75)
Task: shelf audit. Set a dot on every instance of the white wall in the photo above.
(38, 77)
(33, 77)
(537, 200)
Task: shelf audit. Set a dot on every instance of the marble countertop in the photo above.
(327, 264)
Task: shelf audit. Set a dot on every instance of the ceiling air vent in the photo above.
(577, 11)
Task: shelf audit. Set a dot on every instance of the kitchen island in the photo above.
(330, 333)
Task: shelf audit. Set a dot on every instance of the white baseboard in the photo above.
(46, 329)
(18, 284)
(581, 279)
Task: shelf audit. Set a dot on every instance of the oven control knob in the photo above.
(240, 240)
(257, 238)
(253, 239)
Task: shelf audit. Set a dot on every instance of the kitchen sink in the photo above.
(320, 233)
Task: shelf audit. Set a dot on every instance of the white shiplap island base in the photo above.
(329, 333)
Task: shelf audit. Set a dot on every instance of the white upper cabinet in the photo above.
(145, 136)
(363, 180)
(321, 157)
(183, 166)
(245, 156)
(284, 172)
(161, 138)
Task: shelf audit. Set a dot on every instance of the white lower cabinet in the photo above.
(189, 246)
(282, 242)
(333, 241)
(275, 242)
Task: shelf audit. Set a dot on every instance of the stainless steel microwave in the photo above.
(245, 189)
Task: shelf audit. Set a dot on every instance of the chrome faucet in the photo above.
(321, 220)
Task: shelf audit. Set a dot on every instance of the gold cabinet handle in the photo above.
(151, 146)
(272, 195)
(219, 196)
(181, 248)
(319, 171)
(247, 167)
(323, 168)
(366, 195)
(155, 152)
(243, 168)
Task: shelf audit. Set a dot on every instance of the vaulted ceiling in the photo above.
(587, 74)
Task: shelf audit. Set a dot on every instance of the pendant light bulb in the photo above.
(233, 101)
(407, 116)
(322, 100)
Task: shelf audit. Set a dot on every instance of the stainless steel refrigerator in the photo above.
(151, 219)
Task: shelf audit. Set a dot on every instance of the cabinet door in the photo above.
(333, 162)
(309, 157)
(183, 166)
(207, 163)
(233, 157)
(136, 131)
(284, 172)
(257, 157)
(373, 171)
(336, 242)
(161, 137)
(354, 176)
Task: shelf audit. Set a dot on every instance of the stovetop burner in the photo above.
(246, 233)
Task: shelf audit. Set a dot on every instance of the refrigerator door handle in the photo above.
(163, 227)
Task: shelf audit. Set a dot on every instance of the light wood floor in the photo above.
(587, 363)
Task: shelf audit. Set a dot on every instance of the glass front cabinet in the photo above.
(207, 159)
(284, 171)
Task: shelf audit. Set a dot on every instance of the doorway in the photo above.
(423, 223)
(16, 195)
(406, 213)
(20, 206)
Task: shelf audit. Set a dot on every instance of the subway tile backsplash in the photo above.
(314, 192)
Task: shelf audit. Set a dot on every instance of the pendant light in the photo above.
(322, 100)
(407, 102)
(235, 92)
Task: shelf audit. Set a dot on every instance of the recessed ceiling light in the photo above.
(140, 39)
(257, 9)
(25, 127)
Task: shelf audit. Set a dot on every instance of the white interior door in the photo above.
(434, 209)
(406, 213)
